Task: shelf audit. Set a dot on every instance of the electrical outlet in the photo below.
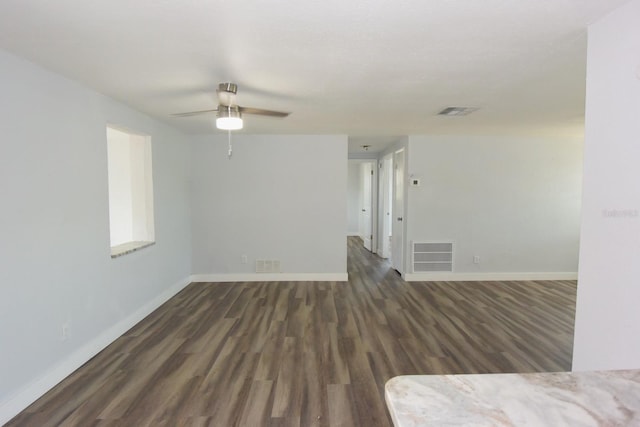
(65, 331)
(244, 259)
(476, 259)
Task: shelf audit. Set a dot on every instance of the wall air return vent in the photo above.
(267, 266)
(432, 257)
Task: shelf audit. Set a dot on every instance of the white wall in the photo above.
(354, 184)
(279, 197)
(120, 194)
(607, 334)
(54, 228)
(142, 188)
(515, 202)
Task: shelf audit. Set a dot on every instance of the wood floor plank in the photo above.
(309, 353)
(271, 355)
(342, 409)
(287, 403)
(314, 406)
(257, 409)
(337, 371)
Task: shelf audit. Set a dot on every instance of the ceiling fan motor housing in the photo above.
(228, 87)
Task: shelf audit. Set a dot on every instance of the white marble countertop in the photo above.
(603, 398)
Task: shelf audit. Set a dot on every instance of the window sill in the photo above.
(127, 248)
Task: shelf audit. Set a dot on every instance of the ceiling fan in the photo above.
(229, 114)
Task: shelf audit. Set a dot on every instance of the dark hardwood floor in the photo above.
(309, 353)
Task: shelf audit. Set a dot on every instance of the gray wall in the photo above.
(279, 197)
(513, 201)
(607, 334)
(54, 223)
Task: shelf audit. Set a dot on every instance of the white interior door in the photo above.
(367, 205)
(397, 240)
(384, 240)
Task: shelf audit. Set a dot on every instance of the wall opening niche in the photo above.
(131, 225)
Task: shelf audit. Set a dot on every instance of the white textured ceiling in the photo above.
(357, 67)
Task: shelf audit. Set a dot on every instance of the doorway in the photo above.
(376, 197)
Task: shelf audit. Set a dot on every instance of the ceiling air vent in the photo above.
(457, 111)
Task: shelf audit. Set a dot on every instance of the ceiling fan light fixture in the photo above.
(229, 117)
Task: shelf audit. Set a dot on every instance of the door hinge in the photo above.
(371, 171)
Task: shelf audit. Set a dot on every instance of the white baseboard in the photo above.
(34, 390)
(271, 277)
(475, 277)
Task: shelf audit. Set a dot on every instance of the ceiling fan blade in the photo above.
(261, 112)
(193, 113)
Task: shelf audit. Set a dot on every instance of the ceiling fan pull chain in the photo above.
(230, 152)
